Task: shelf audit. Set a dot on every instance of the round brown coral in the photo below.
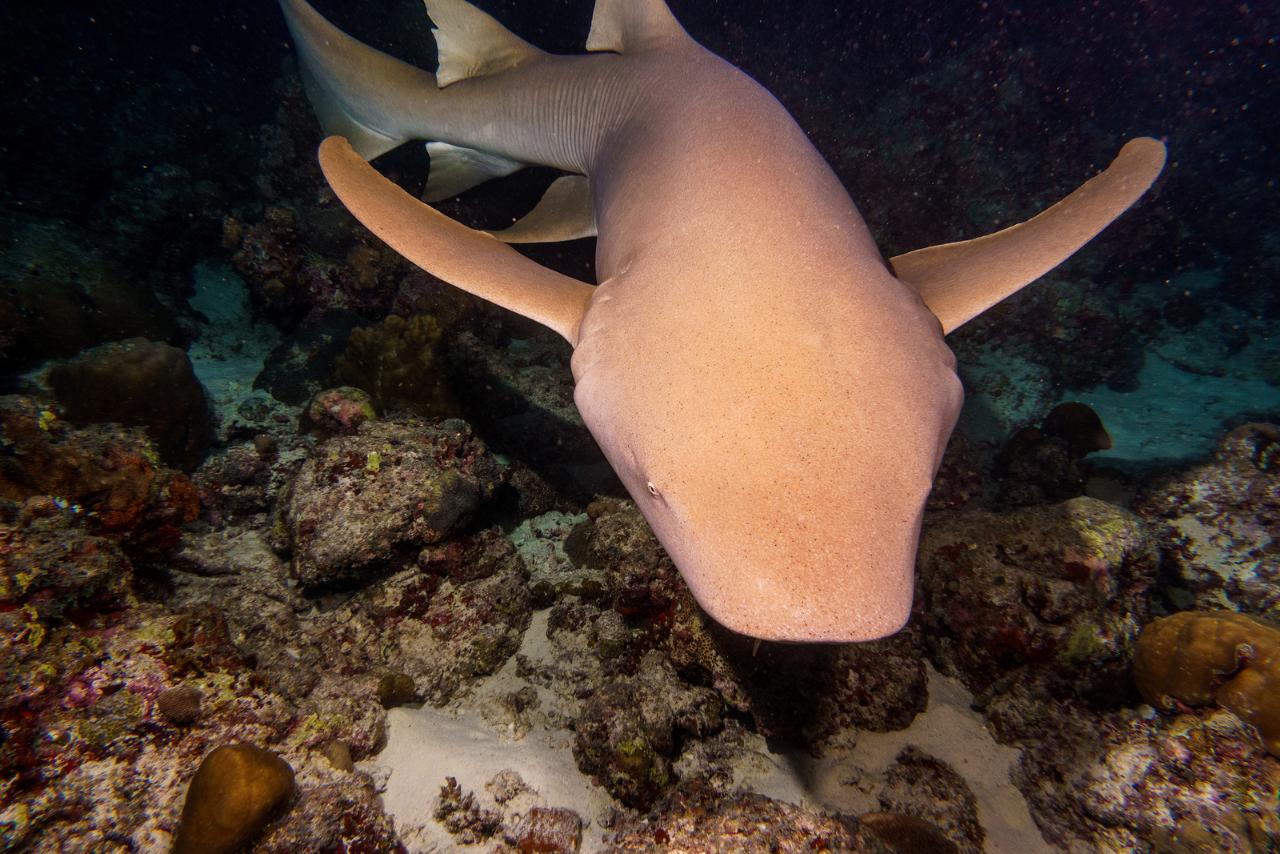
(398, 363)
(1202, 657)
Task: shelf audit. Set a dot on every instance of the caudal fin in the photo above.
(358, 92)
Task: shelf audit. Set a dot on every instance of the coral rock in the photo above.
(1059, 589)
(631, 728)
(180, 705)
(365, 503)
(696, 820)
(231, 798)
(110, 473)
(58, 296)
(398, 362)
(908, 835)
(1214, 657)
(1219, 524)
(549, 831)
(337, 411)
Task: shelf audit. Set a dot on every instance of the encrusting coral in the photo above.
(1202, 657)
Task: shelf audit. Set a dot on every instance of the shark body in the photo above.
(773, 395)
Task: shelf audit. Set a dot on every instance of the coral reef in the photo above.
(629, 730)
(138, 383)
(301, 364)
(147, 619)
(1219, 657)
(338, 410)
(700, 821)
(1219, 525)
(1058, 591)
(523, 406)
(1133, 782)
(1042, 465)
(112, 476)
(934, 803)
(59, 296)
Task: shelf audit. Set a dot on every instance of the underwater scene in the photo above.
(689, 426)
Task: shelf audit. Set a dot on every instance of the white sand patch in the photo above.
(426, 745)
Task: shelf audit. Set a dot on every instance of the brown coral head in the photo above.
(1079, 426)
(1222, 657)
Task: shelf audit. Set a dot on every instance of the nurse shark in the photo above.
(774, 395)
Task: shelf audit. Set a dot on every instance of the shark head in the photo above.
(784, 473)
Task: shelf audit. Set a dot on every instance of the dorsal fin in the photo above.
(627, 26)
(469, 259)
(565, 212)
(959, 281)
(470, 43)
(455, 169)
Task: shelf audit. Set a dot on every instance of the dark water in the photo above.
(158, 181)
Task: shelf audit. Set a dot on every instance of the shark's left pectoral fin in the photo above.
(959, 281)
(469, 259)
(565, 212)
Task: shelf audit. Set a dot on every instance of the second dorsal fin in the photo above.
(470, 43)
(627, 26)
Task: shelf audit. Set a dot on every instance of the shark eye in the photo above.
(653, 490)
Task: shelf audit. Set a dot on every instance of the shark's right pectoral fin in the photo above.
(959, 281)
(469, 259)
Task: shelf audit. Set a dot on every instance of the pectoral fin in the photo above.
(959, 281)
(564, 213)
(472, 260)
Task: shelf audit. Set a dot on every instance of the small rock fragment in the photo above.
(907, 834)
(548, 830)
(396, 689)
(234, 792)
(505, 785)
(466, 820)
(338, 752)
(180, 704)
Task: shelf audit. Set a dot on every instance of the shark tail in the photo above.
(378, 102)
(358, 92)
